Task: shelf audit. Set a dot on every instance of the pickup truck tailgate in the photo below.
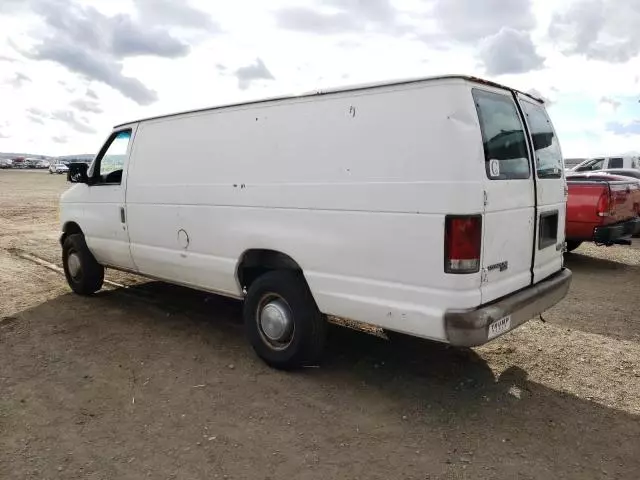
(623, 203)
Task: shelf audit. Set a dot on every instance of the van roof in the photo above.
(349, 88)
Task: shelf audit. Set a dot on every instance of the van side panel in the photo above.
(353, 186)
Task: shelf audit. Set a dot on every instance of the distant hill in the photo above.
(25, 155)
(81, 157)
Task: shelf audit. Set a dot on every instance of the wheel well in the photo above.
(70, 228)
(257, 262)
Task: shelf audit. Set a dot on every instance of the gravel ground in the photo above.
(156, 381)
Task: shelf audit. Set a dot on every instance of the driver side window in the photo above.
(111, 163)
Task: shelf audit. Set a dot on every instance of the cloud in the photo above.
(170, 12)
(4, 58)
(341, 16)
(68, 117)
(304, 19)
(600, 30)
(92, 44)
(36, 115)
(35, 119)
(509, 52)
(96, 67)
(36, 111)
(130, 40)
(611, 101)
(469, 21)
(3, 135)
(86, 106)
(91, 94)
(631, 128)
(251, 73)
(10, 6)
(18, 80)
(60, 139)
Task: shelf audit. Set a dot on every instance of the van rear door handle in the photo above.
(122, 217)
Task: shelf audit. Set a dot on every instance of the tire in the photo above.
(303, 340)
(573, 244)
(85, 275)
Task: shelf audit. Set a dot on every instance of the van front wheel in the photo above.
(84, 274)
(282, 321)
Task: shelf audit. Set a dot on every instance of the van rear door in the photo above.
(550, 190)
(509, 210)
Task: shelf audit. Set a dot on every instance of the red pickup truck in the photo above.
(602, 208)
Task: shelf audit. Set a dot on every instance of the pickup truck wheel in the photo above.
(572, 245)
(282, 321)
(84, 274)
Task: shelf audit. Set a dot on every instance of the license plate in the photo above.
(499, 327)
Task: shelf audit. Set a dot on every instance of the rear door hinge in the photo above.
(485, 198)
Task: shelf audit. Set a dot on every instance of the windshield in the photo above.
(545, 142)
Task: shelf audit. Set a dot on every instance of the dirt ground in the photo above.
(155, 381)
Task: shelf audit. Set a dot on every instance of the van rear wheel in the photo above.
(84, 274)
(282, 321)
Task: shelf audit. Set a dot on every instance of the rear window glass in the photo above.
(545, 143)
(616, 163)
(505, 149)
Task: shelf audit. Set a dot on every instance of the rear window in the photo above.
(545, 143)
(505, 149)
(616, 163)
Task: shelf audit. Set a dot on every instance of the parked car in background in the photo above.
(42, 164)
(19, 162)
(601, 208)
(301, 218)
(605, 163)
(6, 163)
(58, 166)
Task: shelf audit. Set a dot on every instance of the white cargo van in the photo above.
(431, 207)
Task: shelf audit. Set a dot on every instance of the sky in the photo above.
(72, 69)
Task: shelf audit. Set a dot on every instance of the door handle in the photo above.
(122, 216)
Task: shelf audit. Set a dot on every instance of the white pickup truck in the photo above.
(432, 207)
(604, 163)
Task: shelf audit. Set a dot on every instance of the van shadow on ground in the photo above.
(603, 299)
(372, 410)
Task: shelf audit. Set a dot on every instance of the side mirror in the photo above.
(78, 173)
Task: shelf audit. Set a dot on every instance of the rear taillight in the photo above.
(602, 207)
(463, 242)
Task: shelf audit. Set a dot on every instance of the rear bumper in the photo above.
(612, 233)
(470, 328)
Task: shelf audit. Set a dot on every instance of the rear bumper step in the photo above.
(610, 234)
(470, 328)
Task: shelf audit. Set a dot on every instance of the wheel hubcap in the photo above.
(276, 321)
(73, 263)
